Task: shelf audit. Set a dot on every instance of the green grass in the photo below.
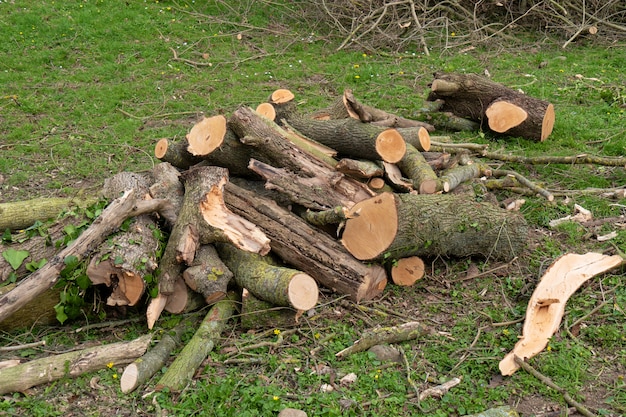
(88, 87)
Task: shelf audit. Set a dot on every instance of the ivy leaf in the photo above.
(60, 310)
(15, 257)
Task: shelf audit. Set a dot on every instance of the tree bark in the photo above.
(181, 371)
(307, 248)
(257, 314)
(21, 214)
(394, 226)
(500, 108)
(208, 275)
(415, 167)
(281, 286)
(108, 222)
(51, 368)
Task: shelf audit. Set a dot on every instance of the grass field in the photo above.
(88, 87)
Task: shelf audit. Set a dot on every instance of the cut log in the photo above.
(402, 333)
(281, 96)
(394, 176)
(394, 226)
(108, 222)
(54, 367)
(547, 304)
(175, 153)
(414, 166)
(276, 284)
(453, 177)
(361, 168)
(500, 108)
(166, 184)
(183, 299)
(206, 135)
(307, 248)
(208, 275)
(181, 372)
(144, 368)
(416, 136)
(21, 214)
(407, 271)
(39, 311)
(204, 211)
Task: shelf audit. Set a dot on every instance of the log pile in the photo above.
(276, 203)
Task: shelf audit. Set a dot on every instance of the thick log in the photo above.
(109, 221)
(394, 226)
(546, 306)
(276, 284)
(307, 248)
(206, 135)
(257, 314)
(175, 153)
(21, 214)
(39, 311)
(54, 367)
(208, 275)
(500, 108)
(203, 211)
(181, 371)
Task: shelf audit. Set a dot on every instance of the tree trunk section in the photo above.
(278, 285)
(415, 167)
(181, 371)
(22, 214)
(502, 109)
(307, 248)
(52, 368)
(208, 275)
(394, 226)
(407, 271)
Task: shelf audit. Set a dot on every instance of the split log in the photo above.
(208, 275)
(181, 371)
(54, 367)
(109, 221)
(126, 257)
(394, 226)
(502, 109)
(21, 214)
(204, 214)
(394, 176)
(309, 174)
(546, 306)
(407, 271)
(414, 166)
(145, 367)
(307, 248)
(281, 286)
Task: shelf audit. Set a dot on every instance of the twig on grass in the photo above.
(547, 381)
(24, 346)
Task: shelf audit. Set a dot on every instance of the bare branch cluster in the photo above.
(402, 24)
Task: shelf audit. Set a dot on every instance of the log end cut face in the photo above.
(503, 116)
(303, 292)
(390, 145)
(548, 122)
(206, 135)
(371, 227)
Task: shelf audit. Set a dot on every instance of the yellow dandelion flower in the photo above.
(453, 34)
(356, 65)
(275, 397)
(364, 55)
(110, 365)
(276, 332)
(357, 76)
(317, 335)
(114, 376)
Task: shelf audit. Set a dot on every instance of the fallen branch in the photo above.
(51, 368)
(401, 333)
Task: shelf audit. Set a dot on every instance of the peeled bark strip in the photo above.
(204, 209)
(414, 166)
(208, 275)
(278, 285)
(400, 225)
(52, 368)
(109, 221)
(407, 271)
(502, 109)
(547, 304)
(181, 371)
(307, 248)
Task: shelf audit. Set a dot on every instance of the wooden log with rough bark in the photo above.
(72, 364)
(22, 214)
(107, 223)
(393, 226)
(501, 109)
(415, 167)
(279, 285)
(208, 275)
(257, 314)
(306, 248)
(182, 370)
(407, 271)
